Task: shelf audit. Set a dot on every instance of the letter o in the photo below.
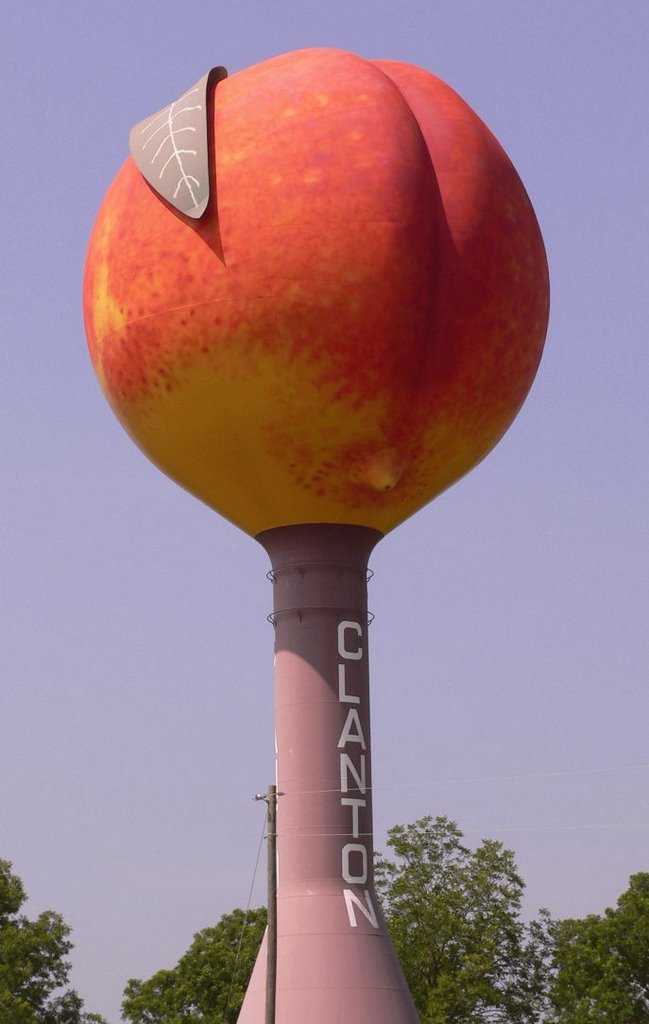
(348, 850)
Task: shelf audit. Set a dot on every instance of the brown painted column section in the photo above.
(335, 962)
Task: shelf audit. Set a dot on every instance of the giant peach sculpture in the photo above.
(317, 335)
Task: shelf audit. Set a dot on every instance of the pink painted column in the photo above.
(335, 961)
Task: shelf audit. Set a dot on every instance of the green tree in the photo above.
(34, 965)
(601, 964)
(454, 918)
(208, 983)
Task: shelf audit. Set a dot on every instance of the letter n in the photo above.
(352, 901)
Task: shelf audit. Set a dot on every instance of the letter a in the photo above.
(347, 736)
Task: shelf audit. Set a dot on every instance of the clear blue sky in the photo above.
(510, 650)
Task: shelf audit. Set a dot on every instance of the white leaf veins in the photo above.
(165, 129)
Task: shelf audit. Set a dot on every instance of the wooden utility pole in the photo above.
(271, 967)
(271, 962)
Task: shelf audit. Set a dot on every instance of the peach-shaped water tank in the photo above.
(356, 318)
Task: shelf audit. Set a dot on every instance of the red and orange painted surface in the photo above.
(355, 320)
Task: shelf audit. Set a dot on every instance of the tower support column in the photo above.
(335, 961)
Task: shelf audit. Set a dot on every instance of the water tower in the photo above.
(316, 295)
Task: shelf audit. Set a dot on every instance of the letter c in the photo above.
(342, 647)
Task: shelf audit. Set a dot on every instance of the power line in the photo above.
(484, 829)
(428, 783)
(470, 779)
(245, 916)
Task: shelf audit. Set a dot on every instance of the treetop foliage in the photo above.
(601, 963)
(34, 965)
(454, 917)
(454, 914)
(208, 983)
